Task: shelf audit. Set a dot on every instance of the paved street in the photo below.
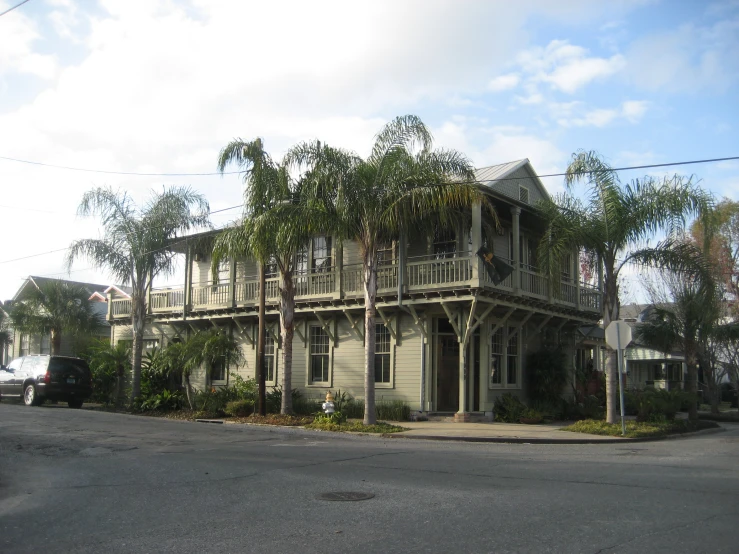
(84, 481)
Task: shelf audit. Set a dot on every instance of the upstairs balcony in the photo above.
(420, 275)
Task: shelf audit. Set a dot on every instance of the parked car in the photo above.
(38, 378)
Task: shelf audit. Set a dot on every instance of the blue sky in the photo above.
(160, 86)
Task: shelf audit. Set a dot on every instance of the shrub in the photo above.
(336, 418)
(244, 389)
(164, 401)
(239, 408)
(591, 407)
(214, 400)
(656, 405)
(394, 410)
(508, 408)
(547, 375)
(274, 399)
(552, 410)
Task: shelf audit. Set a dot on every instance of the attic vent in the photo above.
(523, 194)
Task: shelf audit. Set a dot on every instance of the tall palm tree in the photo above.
(136, 246)
(56, 307)
(402, 184)
(613, 223)
(273, 229)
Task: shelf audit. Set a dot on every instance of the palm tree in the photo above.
(273, 229)
(136, 246)
(202, 348)
(614, 223)
(56, 307)
(402, 184)
(107, 359)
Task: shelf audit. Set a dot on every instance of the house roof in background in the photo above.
(494, 174)
(36, 281)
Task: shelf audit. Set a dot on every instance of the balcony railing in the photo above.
(421, 274)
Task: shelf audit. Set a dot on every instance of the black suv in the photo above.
(38, 378)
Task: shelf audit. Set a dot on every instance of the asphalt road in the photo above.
(85, 481)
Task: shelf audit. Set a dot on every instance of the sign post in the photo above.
(618, 337)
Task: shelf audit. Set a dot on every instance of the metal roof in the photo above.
(495, 172)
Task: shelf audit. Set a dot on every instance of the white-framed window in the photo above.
(219, 370)
(512, 365)
(505, 367)
(151, 344)
(321, 254)
(270, 359)
(45, 344)
(445, 243)
(383, 355)
(25, 345)
(319, 358)
(496, 358)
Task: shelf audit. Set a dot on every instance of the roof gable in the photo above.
(508, 178)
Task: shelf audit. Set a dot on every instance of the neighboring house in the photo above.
(646, 367)
(448, 338)
(6, 333)
(23, 344)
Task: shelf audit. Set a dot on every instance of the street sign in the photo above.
(618, 335)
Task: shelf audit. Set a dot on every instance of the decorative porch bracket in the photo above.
(502, 321)
(520, 325)
(326, 326)
(420, 322)
(543, 323)
(357, 329)
(394, 332)
(453, 320)
(249, 339)
(301, 332)
(472, 326)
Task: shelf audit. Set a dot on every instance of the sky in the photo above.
(160, 86)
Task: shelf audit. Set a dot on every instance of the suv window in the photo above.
(34, 364)
(15, 365)
(61, 364)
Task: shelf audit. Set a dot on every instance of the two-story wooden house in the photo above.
(448, 338)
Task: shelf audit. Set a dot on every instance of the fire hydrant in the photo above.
(328, 406)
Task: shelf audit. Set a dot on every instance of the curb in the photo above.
(519, 440)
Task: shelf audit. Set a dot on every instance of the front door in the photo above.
(447, 373)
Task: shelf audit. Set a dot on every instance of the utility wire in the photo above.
(68, 247)
(649, 166)
(12, 8)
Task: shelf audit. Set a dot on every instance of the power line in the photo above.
(14, 7)
(133, 173)
(68, 247)
(107, 172)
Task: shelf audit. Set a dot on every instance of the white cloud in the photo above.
(632, 111)
(503, 82)
(19, 33)
(567, 67)
(689, 58)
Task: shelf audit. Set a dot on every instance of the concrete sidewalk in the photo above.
(543, 433)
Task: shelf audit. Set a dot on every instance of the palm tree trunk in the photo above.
(188, 391)
(287, 326)
(611, 313)
(56, 341)
(138, 319)
(370, 297)
(692, 383)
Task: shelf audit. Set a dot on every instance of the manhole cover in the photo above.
(346, 496)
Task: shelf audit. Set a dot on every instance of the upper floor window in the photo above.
(321, 253)
(385, 255)
(269, 358)
(445, 244)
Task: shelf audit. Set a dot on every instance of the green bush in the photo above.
(547, 375)
(244, 389)
(336, 418)
(214, 400)
(162, 402)
(393, 410)
(591, 407)
(551, 410)
(239, 408)
(508, 408)
(658, 405)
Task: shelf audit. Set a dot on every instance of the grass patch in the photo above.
(355, 427)
(722, 416)
(635, 429)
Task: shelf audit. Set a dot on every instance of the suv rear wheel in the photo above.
(30, 398)
(75, 403)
